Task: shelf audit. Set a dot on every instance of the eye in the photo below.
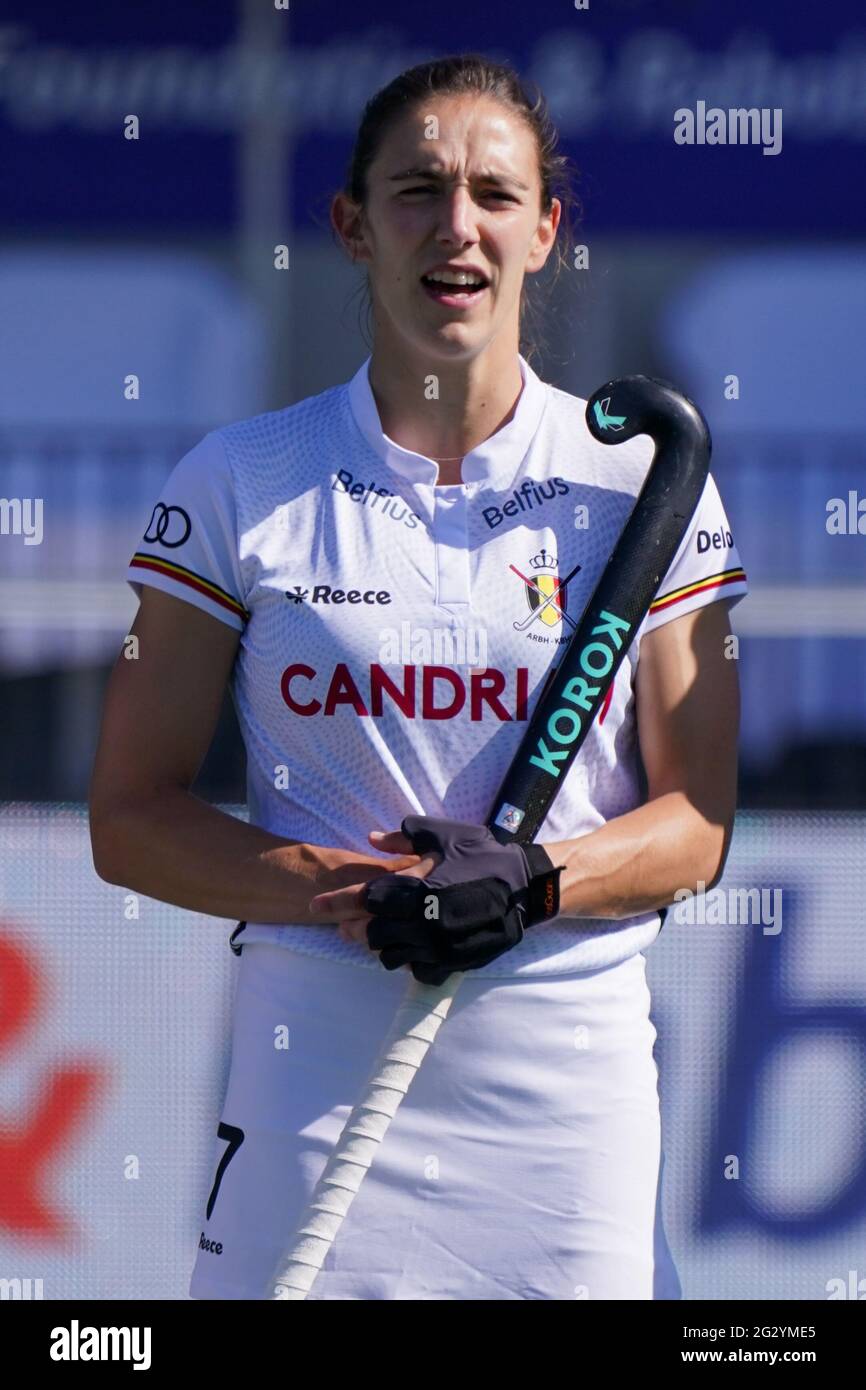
(433, 188)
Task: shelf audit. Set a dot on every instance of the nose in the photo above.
(457, 217)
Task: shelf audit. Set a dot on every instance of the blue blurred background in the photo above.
(155, 256)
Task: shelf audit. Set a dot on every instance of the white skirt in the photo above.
(525, 1161)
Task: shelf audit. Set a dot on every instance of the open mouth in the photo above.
(454, 289)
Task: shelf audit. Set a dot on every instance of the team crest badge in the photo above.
(546, 593)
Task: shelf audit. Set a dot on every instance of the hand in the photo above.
(344, 907)
(338, 875)
(471, 900)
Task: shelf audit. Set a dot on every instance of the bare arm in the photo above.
(687, 695)
(148, 832)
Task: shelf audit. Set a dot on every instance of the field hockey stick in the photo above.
(573, 695)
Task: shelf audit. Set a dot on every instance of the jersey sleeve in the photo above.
(189, 547)
(706, 566)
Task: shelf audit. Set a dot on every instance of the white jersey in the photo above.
(396, 634)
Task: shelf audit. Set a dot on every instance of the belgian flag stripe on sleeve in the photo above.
(712, 581)
(172, 570)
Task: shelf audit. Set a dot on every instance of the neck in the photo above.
(473, 400)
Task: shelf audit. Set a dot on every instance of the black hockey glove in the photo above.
(470, 909)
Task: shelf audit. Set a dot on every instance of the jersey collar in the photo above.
(495, 460)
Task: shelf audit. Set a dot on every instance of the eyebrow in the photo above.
(421, 171)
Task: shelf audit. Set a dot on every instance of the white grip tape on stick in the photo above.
(415, 1026)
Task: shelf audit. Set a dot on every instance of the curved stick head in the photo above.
(632, 405)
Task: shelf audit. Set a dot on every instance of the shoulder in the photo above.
(266, 436)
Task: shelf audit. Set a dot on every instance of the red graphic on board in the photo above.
(64, 1098)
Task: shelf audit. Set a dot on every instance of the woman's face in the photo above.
(467, 196)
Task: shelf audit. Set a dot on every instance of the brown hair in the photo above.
(457, 75)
